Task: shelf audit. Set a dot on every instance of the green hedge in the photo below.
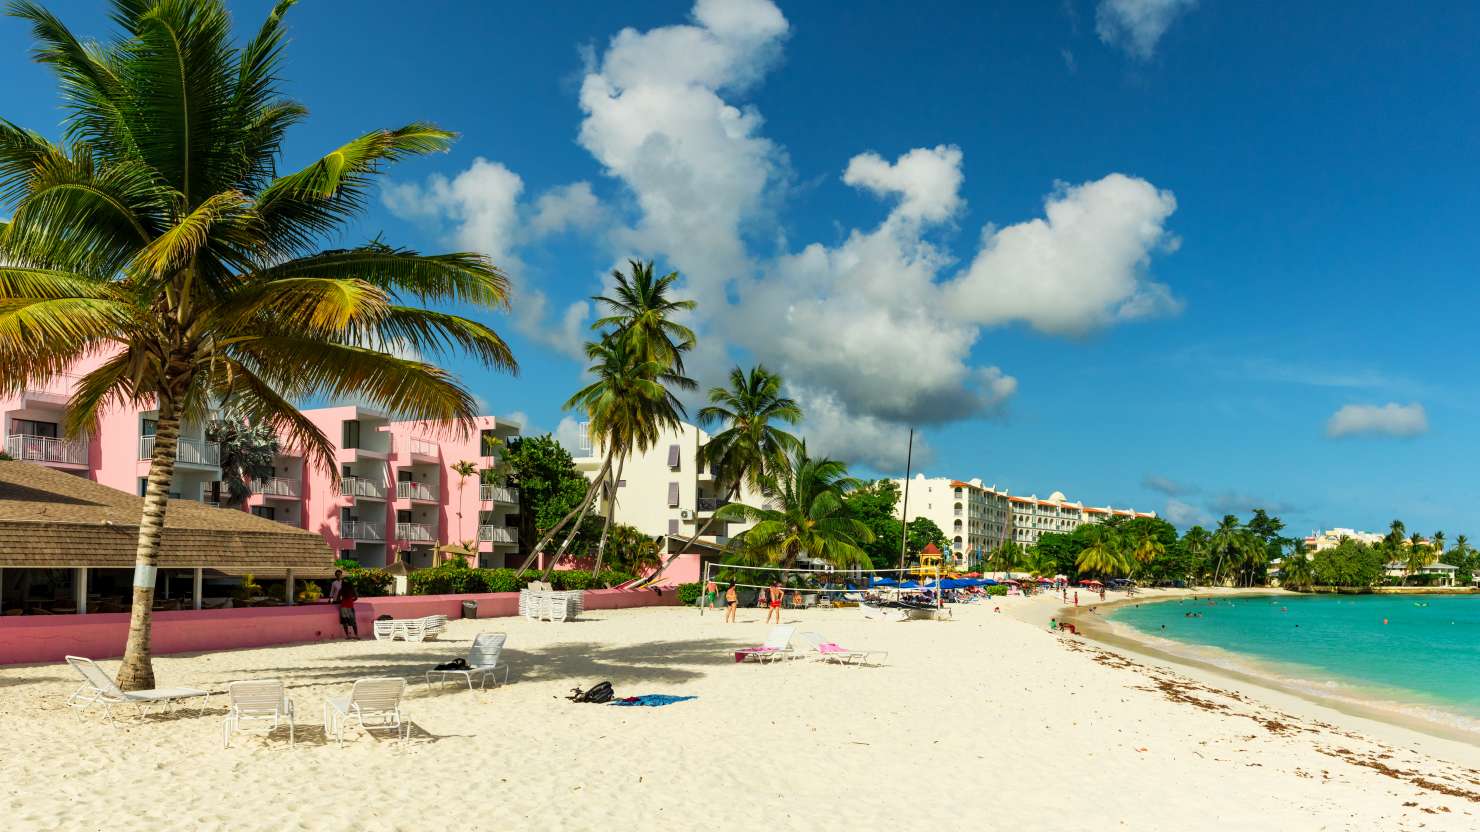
(997, 590)
(370, 583)
(456, 579)
(688, 594)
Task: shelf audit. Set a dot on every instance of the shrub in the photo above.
(688, 594)
(459, 579)
(997, 590)
(370, 583)
(346, 564)
(310, 592)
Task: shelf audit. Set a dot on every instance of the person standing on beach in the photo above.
(776, 594)
(347, 598)
(732, 603)
(711, 594)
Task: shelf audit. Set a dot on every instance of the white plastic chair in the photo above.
(482, 661)
(258, 700)
(830, 652)
(99, 688)
(372, 703)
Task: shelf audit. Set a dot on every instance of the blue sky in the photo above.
(1190, 256)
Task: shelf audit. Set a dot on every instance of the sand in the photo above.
(984, 721)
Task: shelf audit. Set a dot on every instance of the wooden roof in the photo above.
(50, 519)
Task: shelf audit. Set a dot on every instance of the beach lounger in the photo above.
(99, 688)
(426, 628)
(258, 700)
(482, 661)
(829, 652)
(777, 646)
(372, 703)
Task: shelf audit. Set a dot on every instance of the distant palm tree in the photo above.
(1147, 547)
(804, 517)
(631, 549)
(1103, 555)
(752, 447)
(1196, 542)
(162, 238)
(1418, 555)
(247, 454)
(463, 469)
(1296, 571)
(1006, 557)
(1438, 541)
(641, 310)
(1228, 543)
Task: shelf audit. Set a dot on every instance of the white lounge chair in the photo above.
(482, 661)
(776, 647)
(372, 703)
(426, 628)
(99, 688)
(829, 652)
(258, 700)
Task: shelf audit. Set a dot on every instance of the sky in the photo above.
(1188, 256)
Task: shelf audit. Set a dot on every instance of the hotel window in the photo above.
(29, 427)
(267, 512)
(351, 433)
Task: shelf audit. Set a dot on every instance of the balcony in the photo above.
(278, 487)
(360, 530)
(415, 533)
(56, 390)
(415, 491)
(424, 448)
(710, 504)
(44, 449)
(187, 451)
(498, 494)
(498, 534)
(357, 487)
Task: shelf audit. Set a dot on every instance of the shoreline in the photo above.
(1387, 714)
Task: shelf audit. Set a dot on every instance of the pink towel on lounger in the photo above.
(832, 648)
(750, 651)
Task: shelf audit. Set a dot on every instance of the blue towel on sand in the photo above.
(652, 700)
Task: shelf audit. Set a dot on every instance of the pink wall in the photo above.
(48, 638)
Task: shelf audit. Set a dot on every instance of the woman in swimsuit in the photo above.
(776, 595)
(732, 602)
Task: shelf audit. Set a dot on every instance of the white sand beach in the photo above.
(985, 721)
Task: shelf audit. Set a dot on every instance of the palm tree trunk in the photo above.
(555, 529)
(611, 508)
(734, 492)
(575, 528)
(137, 672)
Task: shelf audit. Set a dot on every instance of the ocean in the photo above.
(1418, 653)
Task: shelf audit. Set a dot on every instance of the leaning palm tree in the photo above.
(751, 448)
(1227, 541)
(628, 405)
(161, 240)
(804, 517)
(642, 310)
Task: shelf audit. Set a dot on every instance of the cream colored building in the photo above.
(978, 518)
(664, 491)
(1331, 538)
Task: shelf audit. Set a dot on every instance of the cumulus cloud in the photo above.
(1234, 502)
(832, 430)
(480, 207)
(569, 434)
(1079, 268)
(1169, 487)
(1183, 514)
(927, 181)
(1391, 419)
(1137, 25)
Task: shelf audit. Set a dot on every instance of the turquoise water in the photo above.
(1423, 655)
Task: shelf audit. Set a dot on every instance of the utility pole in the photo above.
(904, 511)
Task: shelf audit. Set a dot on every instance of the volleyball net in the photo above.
(825, 580)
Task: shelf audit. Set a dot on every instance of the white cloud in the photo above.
(1080, 268)
(1391, 419)
(1169, 487)
(832, 430)
(1183, 514)
(517, 417)
(1235, 502)
(1137, 25)
(568, 434)
(929, 181)
(480, 207)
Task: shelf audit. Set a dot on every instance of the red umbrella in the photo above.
(1091, 582)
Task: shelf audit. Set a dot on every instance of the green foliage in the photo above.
(1350, 564)
(247, 451)
(346, 564)
(5, 457)
(997, 590)
(922, 532)
(451, 579)
(310, 592)
(370, 583)
(549, 484)
(688, 594)
(629, 550)
(804, 515)
(874, 505)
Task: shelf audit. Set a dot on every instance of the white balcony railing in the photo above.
(414, 491)
(358, 487)
(498, 494)
(415, 533)
(30, 448)
(187, 451)
(498, 534)
(422, 447)
(55, 390)
(360, 530)
(278, 487)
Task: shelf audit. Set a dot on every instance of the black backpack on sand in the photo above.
(599, 693)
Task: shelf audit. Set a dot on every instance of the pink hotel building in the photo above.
(397, 496)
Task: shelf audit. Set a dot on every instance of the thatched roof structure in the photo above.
(52, 519)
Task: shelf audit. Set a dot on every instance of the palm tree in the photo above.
(1006, 557)
(1438, 542)
(1197, 543)
(631, 550)
(641, 310)
(1296, 571)
(804, 517)
(1418, 554)
(161, 237)
(463, 469)
(247, 452)
(1147, 547)
(1227, 541)
(1103, 554)
(751, 448)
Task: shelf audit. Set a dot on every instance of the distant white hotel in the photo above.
(979, 518)
(1330, 538)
